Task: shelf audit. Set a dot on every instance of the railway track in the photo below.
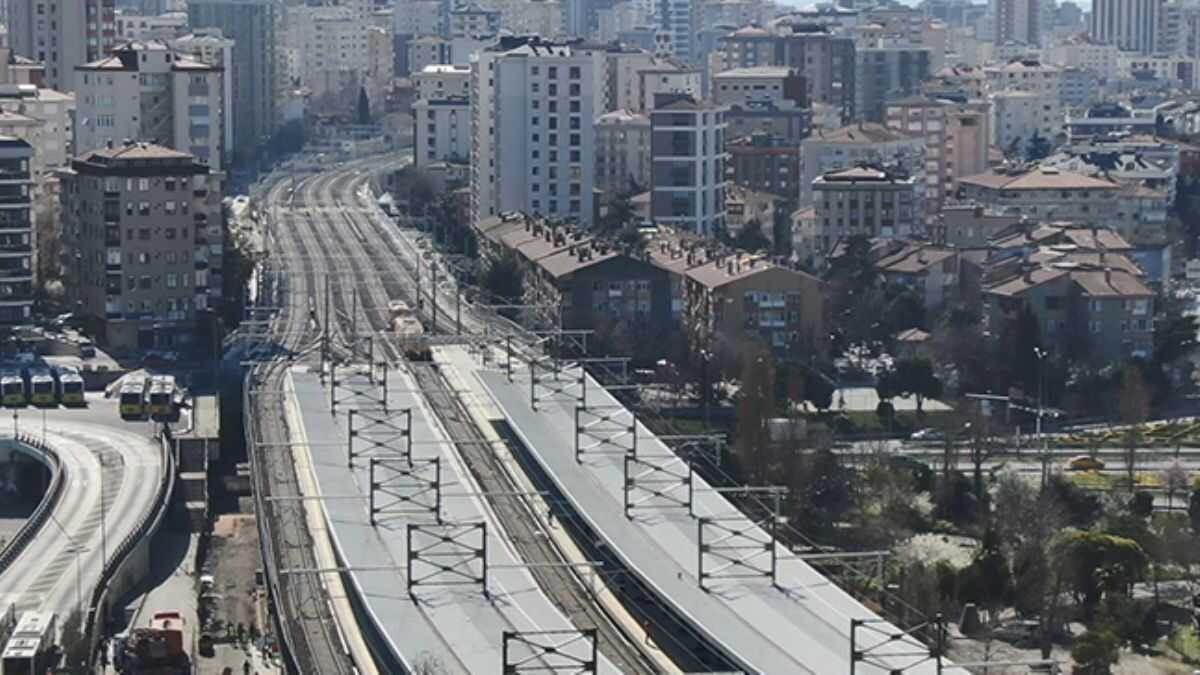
(305, 620)
(395, 279)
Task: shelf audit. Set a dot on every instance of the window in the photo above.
(143, 184)
(144, 208)
(172, 280)
(144, 233)
(143, 258)
(169, 232)
(574, 73)
(169, 206)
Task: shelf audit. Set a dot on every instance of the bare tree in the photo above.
(1175, 480)
(1134, 410)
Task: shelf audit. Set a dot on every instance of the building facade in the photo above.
(688, 164)
(865, 143)
(957, 137)
(533, 138)
(61, 34)
(148, 91)
(253, 25)
(442, 130)
(864, 201)
(16, 232)
(1129, 24)
(143, 233)
(622, 152)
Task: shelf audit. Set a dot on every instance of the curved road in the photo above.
(105, 461)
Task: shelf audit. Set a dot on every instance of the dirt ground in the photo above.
(233, 562)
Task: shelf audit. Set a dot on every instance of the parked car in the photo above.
(1084, 463)
(927, 435)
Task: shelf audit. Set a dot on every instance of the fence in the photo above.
(38, 518)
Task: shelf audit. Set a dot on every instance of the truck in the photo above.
(162, 647)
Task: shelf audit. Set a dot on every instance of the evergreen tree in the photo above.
(362, 114)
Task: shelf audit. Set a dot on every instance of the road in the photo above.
(112, 469)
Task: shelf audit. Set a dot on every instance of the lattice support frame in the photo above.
(386, 432)
(405, 487)
(446, 554)
(738, 546)
(882, 634)
(664, 481)
(550, 385)
(602, 430)
(551, 652)
(354, 389)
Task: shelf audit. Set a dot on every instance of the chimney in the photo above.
(1027, 274)
(729, 268)
(1108, 276)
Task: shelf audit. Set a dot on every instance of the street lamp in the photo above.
(1041, 377)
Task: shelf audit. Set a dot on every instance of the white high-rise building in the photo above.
(330, 44)
(533, 149)
(147, 91)
(687, 140)
(61, 34)
(1129, 24)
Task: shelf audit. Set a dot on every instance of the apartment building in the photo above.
(957, 137)
(1131, 25)
(54, 110)
(824, 59)
(969, 225)
(622, 152)
(16, 232)
(665, 77)
(442, 130)
(1018, 116)
(625, 297)
(255, 27)
(851, 146)
(886, 71)
(867, 201)
(330, 48)
(1099, 311)
(442, 81)
(136, 26)
(765, 163)
(148, 91)
(688, 164)
(1081, 52)
(471, 20)
(1019, 21)
(533, 137)
(207, 45)
(731, 303)
(1044, 194)
(935, 273)
(143, 235)
(61, 34)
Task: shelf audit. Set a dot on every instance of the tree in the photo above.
(915, 376)
(618, 214)
(1194, 510)
(1141, 504)
(755, 405)
(1095, 653)
(1024, 341)
(1038, 147)
(751, 238)
(818, 390)
(1094, 563)
(1135, 408)
(504, 279)
(362, 112)
(987, 581)
(1174, 481)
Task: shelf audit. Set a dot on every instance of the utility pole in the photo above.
(433, 293)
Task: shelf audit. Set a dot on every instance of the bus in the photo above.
(162, 396)
(70, 386)
(41, 387)
(31, 648)
(133, 397)
(12, 388)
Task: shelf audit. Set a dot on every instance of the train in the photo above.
(409, 331)
(30, 649)
(132, 398)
